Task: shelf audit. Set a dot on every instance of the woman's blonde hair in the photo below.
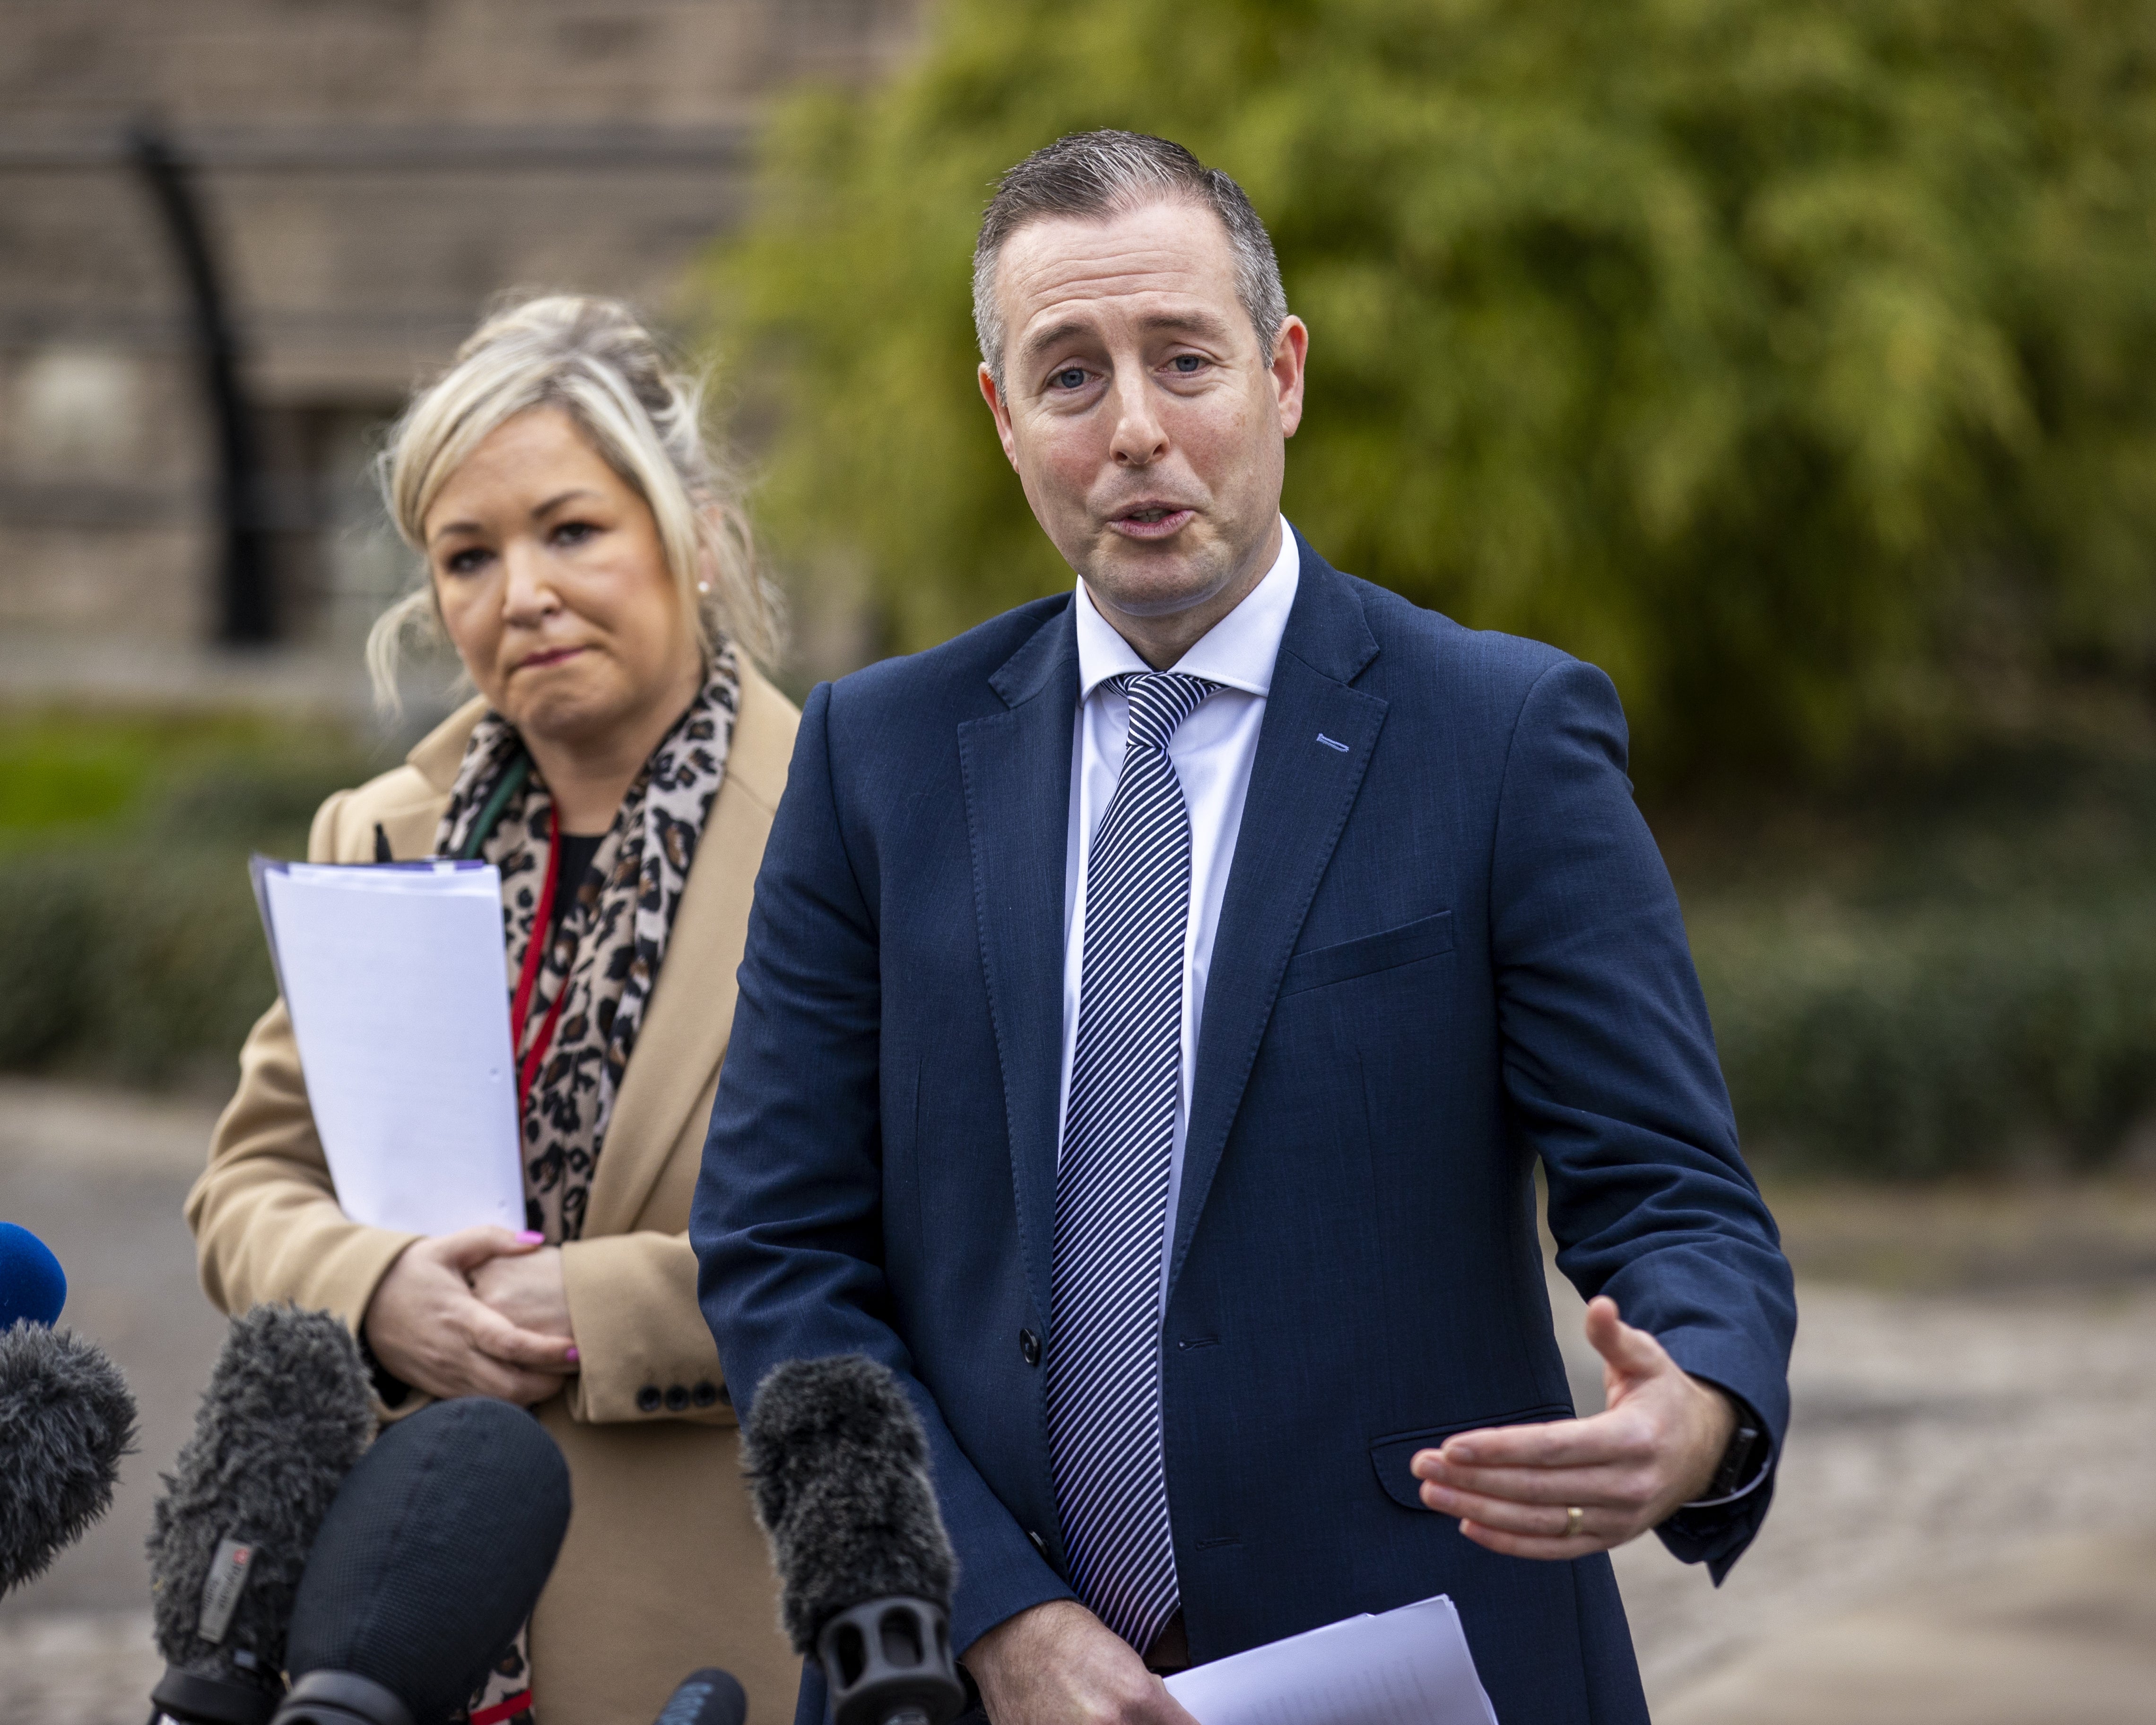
(591, 359)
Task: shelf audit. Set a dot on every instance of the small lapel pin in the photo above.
(1331, 744)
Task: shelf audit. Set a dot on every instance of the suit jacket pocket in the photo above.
(1387, 951)
(1390, 1456)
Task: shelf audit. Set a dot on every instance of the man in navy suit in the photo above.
(1156, 1003)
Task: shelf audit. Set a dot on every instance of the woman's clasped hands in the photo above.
(483, 1311)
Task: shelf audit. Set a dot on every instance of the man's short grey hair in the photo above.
(1090, 175)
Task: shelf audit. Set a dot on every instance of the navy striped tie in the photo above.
(1104, 1422)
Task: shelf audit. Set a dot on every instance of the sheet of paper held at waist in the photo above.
(395, 980)
(1405, 1668)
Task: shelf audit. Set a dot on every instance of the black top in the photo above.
(577, 851)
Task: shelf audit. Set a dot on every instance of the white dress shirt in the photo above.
(1212, 751)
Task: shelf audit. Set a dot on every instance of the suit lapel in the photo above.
(691, 1013)
(1300, 793)
(1016, 770)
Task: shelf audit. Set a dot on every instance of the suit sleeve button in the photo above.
(705, 1393)
(648, 1398)
(1028, 1347)
(677, 1399)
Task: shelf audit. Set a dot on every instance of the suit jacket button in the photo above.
(1028, 1346)
(677, 1398)
(648, 1398)
(705, 1393)
(1039, 1544)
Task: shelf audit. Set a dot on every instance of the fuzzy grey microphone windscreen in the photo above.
(283, 1418)
(66, 1418)
(838, 1467)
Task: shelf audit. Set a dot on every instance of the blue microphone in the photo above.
(33, 1287)
(66, 1417)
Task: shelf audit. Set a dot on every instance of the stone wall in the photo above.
(373, 172)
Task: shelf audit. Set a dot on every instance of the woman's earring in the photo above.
(703, 586)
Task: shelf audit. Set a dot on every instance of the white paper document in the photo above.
(1405, 1668)
(394, 977)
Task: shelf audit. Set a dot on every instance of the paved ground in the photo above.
(1969, 1496)
(1965, 1534)
(2045, 1632)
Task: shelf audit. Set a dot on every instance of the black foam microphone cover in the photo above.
(66, 1418)
(709, 1697)
(427, 1564)
(838, 1468)
(283, 1418)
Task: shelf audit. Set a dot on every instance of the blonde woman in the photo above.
(620, 764)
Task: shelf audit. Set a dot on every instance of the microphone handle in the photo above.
(888, 1662)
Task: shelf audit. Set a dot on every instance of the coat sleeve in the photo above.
(788, 1219)
(266, 1221)
(633, 1305)
(1611, 1070)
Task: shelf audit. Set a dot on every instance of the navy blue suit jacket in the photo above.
(1443, 953)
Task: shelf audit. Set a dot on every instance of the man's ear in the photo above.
(1000, 409)
(1291, 349)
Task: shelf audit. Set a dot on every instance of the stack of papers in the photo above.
(394, 977)
(1405, 1668)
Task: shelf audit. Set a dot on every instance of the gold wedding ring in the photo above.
(1574, 1516)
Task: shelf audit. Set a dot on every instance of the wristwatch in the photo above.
(1740, 1461)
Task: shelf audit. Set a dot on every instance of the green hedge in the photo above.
(1937, 1041)
(134, 952)
(145, 964)
(1893, 1045)
(1936, 982)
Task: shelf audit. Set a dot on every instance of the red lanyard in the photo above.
(535, 953)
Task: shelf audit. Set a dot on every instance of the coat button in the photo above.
(648, 1398)
(1029, 1345)
(705, 1393)
(1039, 1544)
(677, 1399)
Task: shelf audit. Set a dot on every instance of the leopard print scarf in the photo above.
(612, 936)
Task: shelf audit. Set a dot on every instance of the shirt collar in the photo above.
(1238, 651)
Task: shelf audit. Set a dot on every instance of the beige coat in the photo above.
(664, 1570)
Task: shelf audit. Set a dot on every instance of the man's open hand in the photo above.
(1057, 1664)
(1626, 1469)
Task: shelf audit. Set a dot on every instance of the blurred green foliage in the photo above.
(2019, 1036)
(1789, 359)
(1936, 973)
(134, 951)
(1933, 975)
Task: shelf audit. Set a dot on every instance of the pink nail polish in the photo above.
(574, 1355)
(531, 1237)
